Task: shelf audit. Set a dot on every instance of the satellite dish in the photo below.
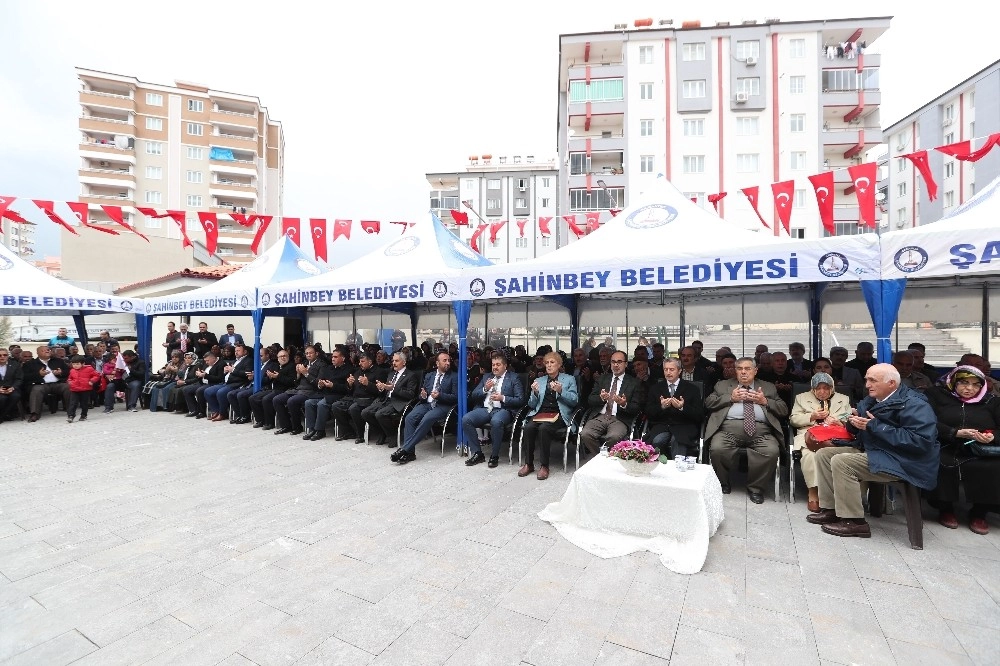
(121, 141)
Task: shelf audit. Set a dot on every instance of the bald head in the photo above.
(881, 380)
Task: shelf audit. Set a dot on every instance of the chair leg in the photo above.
(876, 499)
(914, 518)
(791, 477)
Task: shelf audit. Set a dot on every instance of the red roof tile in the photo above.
(199, 272)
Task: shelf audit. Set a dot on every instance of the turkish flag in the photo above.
(753, 195)
(403, 226)
(82, 212)
(714, 199)
(474, 241)
(176, 215)
(823, 187)
(919, 160)
(290, 228)
(784, 196)
(115, 213)
(520, 226)
(614, 211)
(543, 226)
(6, 214)
(263, 222)
(243, 220)
(593, 221)
(317, 226)
(48, 207)
(963, 149)
(371, 226)
(210, 223)
(495, 228)
(571, 222)
(694, 200)
(341, 228)
(865, 177)
(460, 217)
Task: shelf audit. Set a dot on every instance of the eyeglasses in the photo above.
(621, 360)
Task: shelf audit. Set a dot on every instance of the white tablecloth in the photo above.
(671, 513)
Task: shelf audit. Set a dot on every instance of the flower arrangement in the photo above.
(634, 449)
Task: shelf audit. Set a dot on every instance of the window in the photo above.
(154, 124)
(153, 197)
(599, 90)
(796, 85)
(645, 55)
(695, 197)
(196, 105)
(798, 160)
(194, 201)
(493, 184)
(545, 202)
(694, 127)
(800, 199)
(646, 128)
(194, 176)
(747, 126)
(949, 112)
(492, 204)
(520, 203)
(972, 99)
(748, 162)
(949, 198)
(545, 241)
(901, 190)
(520, 242)
(646, 164)
(694, 164)
(798, 122)
(747, 49)
(154, 148)
(797, 48)
(195, 153)
(949, 169)
(579, 164)
(596, 199)
(546, 182)
(693, 89)
(949, 138)
(797, 232)
(901, 216)
(195, 129)
(645, 91)
(155, 173)
(693, 51)
(468, 184)
(154, 99)
(522, 183)
(901, 164)
(748, 85)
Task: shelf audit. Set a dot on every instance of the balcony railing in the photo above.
(107, 120)
(235, 113)
(105, 144)
(117, 172)
(117, 197)
(107, 94)
(236, 136)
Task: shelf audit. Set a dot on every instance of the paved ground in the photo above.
(152, 538)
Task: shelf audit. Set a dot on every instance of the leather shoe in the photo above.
(281, 431)
(979, 526)
(199, 416)
(525, 470)
(726, 488)
(849, 527)
(755, 496)
(475, 459)
(257, 425)
(33, 418)
(407, 456)
(395, 455)
(295, 431)
(391, 445)
(317, 435)
(493, 462)
(308, 435)
(380, 442)
(359, 441)
(543, 473)
(824, 517)
(267, 427)
(190, 414)
(948, 519)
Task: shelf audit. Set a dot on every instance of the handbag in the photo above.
(983, 450)
(821, 436)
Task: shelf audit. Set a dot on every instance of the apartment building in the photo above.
(717, 108)
(514, 189)
(19, 239)
(967, 111)
(181, 147)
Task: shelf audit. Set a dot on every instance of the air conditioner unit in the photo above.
(751, 61)
(105, 163)
(742, 98)
(947, 122)
(522, 188)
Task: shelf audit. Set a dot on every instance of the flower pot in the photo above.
(636, 468)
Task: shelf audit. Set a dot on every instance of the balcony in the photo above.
(231, 185)
(107, 100)
(599, 142)
(872, 98)
(846, 213)
(243, 210)
(239, 196)
(232, 118)
(615, 70)
(107, 177)
(582, 110)
(106, 124)
(105, 144)
(234, 141)
(120, 199)
(610, 179)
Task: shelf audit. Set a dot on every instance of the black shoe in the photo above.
(396, 454)
(391, 445)
(493, 462)
(281, 431)
(295, 431)
(267, 427)
(308, 435)
(359, 441)
(318, 435)
(199, 416)
(190, 414)
(726, 488)
(755, 496)
(407, 456)
(258, 425)
(475, 459)
(380, 442)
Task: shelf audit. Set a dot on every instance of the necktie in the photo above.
(392, 381)
(437, 383)
(673, 387)
(614, 391)
(184, 343)
(749, 421)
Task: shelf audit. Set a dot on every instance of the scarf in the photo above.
(966, 372)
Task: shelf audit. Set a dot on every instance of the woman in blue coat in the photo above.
(555, 392)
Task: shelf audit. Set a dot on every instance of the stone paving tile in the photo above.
(420, 645)
(906, 613)
(699, 646)
(148, 642)
(336, 651)
(958, 597)
(616, 655)
(63, 649)
(847, 632)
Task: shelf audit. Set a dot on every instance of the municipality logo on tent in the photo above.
(5, 263)
(402, 246)
(651, 216)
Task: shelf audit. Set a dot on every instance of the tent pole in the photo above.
(985, 323)
(743, 315)
(81, 330)
(683, 328)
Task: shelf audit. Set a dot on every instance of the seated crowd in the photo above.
(848, 422)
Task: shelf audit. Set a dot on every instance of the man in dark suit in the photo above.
(437, 396)
(231, 337)
(383, 414)
(691, 371)
(498, 396)
(675, 408)
(617, 395)
(204, 340)
(781, 376)
(47, 376)
(172, 343)
(798, 364)
(10, 384)
(746, 414)
(288, 406)
(362, 382)
(235, 375)
(276, 381)
(185, 340)
(333, 387)
(194, 394)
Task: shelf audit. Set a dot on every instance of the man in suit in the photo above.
(11, 378)
(235, 375)
(781, 376)
(204, 340)
(746, 414)
(47, 376)
(552, 392)
(288, 406)
(616, 394)
(194, 394)
(383, 414)
(239, 399)
(675, 408)
(231, 337)
(172, 343)
(582, 372)
(499, 394)
(332, 387)
(275, 382)
(849, 381)
(798, 364)
(437, 396)
(347, 412)
(692, 372)
(185, 340)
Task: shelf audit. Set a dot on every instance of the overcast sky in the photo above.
(373, 97)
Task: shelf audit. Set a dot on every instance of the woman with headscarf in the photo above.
(818, 406)
(966, 412)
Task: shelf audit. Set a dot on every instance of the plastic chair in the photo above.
(914, 515)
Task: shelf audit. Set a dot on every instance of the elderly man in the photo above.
(798, 364)
(903, 362)
(383, 414)
(746, 413)
(675, 409)
(47, 376)
(864, 357)
(10, 384)
(896, 440)
(849, 381)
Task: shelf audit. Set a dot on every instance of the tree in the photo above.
(5, 328)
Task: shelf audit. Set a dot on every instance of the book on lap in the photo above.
(545, 417)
